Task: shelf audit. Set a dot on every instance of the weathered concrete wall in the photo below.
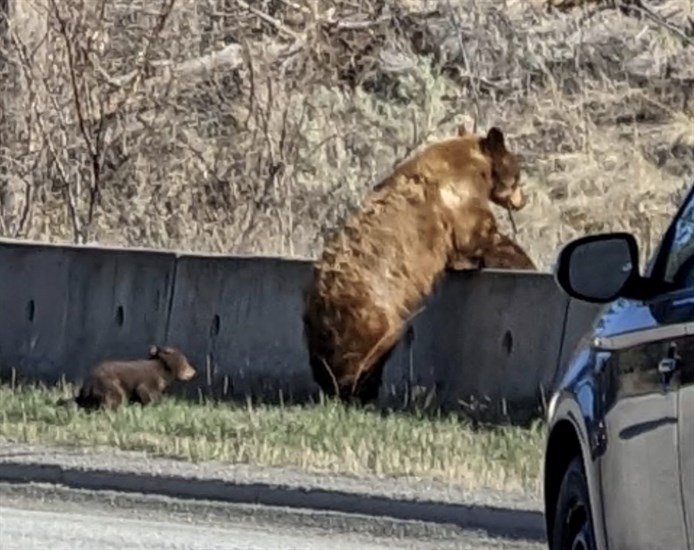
(33, 303)
(63, 308)
(486, 342)
(493, 338)
(239, 320)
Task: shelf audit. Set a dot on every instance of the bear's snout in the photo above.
(187, 373)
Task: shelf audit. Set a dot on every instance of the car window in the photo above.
(679, 264)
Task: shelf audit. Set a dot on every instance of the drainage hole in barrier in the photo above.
(31, 310)
(507, 342)
(120, 316)
(214, 328)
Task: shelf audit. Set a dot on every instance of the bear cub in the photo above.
(143, 381)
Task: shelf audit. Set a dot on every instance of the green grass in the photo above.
(327, 438)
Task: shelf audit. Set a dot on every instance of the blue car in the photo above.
(619, 456)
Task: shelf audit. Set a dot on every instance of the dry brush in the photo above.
(238, 126)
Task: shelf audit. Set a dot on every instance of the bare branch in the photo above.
(271, 20)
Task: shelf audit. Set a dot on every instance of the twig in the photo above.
(358, 25)
(47, 137)
(296, 6)
(229, 58)
(628, 8)
(638, 6)
(142, 58)
(271, 20)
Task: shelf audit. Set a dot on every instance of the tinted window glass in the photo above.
(680, 261)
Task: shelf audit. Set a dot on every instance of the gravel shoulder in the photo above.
(105, 519)
(410, 489)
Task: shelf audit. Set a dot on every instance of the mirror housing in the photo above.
(599, 268)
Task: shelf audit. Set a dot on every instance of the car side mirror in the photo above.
(598, 268)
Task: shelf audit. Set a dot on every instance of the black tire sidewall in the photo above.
(574, 488)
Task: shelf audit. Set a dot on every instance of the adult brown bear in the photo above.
(432, 211)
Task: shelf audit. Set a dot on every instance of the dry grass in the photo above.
(312, 102)
(325, 438)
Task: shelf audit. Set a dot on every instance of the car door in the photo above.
(645, 353)
(677, 268)
(639, 465)
(687, 438)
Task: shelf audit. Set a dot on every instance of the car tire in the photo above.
(573, 524)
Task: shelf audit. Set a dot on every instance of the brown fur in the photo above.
(433, 210)
(143, 381)
(506, 254)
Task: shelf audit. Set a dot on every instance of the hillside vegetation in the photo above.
(115, 130)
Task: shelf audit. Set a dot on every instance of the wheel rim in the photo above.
(580, 542)
(578, 528)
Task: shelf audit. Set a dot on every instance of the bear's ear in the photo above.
(461, 130)
(153, 350)
(495, 140)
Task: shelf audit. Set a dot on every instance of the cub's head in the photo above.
(174, 361)
(506, 190)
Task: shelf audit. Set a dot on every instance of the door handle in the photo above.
(668, 365)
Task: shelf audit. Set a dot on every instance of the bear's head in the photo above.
(505, 167)
(174, 361)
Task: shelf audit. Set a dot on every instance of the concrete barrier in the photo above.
(33, 301)
(239, 320)
(485, 342)
(491, 342)
(63, 308)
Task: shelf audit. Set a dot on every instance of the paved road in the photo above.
(65, 522)
(29, 529)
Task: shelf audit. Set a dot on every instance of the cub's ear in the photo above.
(153, 351)
(495, 140)
(461, 130)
